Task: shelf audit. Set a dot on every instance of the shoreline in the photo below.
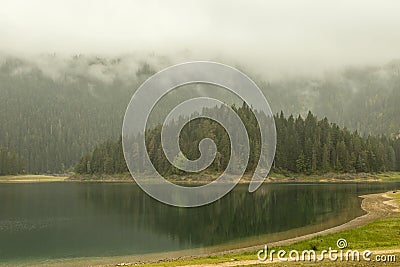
(201, 179)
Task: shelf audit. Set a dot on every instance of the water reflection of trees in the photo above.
(273, 208)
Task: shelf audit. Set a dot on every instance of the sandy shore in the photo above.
(31, 178)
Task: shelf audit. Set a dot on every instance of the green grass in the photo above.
(381, 234)
(390, 177)
(396, 196)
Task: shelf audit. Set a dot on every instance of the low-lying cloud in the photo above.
(273, 37)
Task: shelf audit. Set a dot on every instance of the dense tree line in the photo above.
(106, 158)
(53, 110)
(311, 146)
(303, 146)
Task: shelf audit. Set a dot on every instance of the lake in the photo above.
(42, 221)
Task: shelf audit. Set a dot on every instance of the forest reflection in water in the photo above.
(66, 220)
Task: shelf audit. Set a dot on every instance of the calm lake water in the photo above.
(63, 220)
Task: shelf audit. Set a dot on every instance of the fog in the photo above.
(274, 37)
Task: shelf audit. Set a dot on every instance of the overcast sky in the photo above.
(297, 34)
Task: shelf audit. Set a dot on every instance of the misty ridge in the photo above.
(54, 109)
(337, 94)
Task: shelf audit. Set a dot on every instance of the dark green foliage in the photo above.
(314, 146)
(303, 146)
(10, 163)
(106, 158)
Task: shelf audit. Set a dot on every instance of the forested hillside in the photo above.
(303, 146)
(49, 122)
(54, 109)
